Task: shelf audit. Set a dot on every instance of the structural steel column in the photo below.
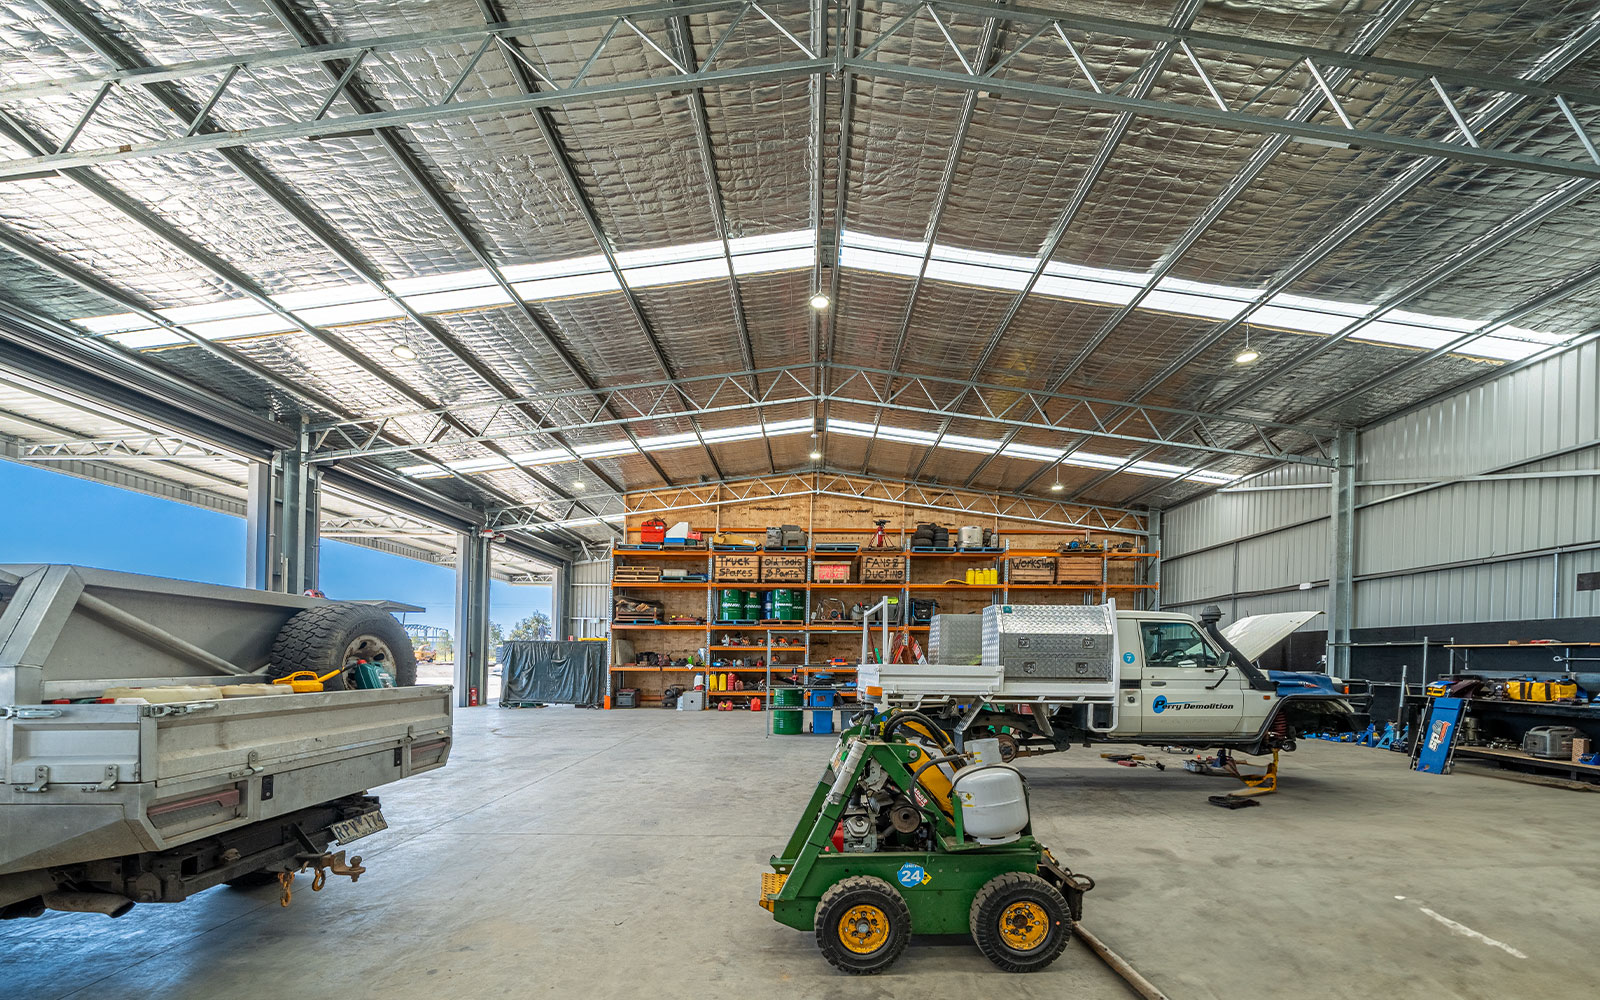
(1152, 523)
(282, 513)
(1341, 574)
(472, 617)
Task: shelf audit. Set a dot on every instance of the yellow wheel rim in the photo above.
(864, 929)
(1024, 926)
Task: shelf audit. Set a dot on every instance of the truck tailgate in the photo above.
(95, 781)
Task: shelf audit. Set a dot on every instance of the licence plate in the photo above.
(365, 825)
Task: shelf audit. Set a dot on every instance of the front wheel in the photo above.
(1020, 922)
(863, 925)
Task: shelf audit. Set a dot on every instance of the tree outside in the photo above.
(535, 626)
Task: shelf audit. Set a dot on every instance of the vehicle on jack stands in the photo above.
(1093, 674)
(907, 834)
(105, 805)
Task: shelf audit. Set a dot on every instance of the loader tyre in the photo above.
(335, 636)
(1020, 922)
(863, 925)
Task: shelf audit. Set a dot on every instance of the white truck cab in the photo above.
(1098, 674)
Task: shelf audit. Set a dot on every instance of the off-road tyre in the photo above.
(318, 638)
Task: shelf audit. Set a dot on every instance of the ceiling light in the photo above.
(404, 352)
(816, 456)
(1056, 487)
(819, 301)
(1249, 354)
(578, 484)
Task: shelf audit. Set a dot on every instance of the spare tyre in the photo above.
(335, 637)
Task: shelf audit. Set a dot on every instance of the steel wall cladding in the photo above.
(1061, 641)
(1434, 543)
(591, 597)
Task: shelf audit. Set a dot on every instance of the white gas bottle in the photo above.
(993, 802)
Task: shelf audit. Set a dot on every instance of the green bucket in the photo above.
(787, 723)
(731, 605)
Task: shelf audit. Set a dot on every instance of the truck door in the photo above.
(1182, 693)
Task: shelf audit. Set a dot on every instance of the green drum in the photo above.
(731, 606)
(752, 605)
(783, 607)
(786, 716)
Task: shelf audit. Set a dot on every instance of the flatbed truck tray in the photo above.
(88, 781)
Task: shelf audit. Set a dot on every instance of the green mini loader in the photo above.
(906, 835)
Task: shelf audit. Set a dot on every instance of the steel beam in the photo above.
(927, 495)
(949, 399)
(1341, 576)
(1259, 160)
(803, 60)
(472, 618)
(282, 520)
(1143, 81)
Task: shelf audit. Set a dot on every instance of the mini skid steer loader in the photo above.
(904, 834)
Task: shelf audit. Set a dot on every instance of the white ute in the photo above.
(1058, 674)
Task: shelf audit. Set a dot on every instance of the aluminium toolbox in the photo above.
(1061, 641)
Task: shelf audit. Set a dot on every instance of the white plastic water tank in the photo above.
(994, 803)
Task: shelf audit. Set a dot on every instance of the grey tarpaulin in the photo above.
(568, 673)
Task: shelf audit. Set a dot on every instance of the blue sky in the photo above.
(49, 517)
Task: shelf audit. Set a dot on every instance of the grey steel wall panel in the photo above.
(1466, 551)
(591, 597)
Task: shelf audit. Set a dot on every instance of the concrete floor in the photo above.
(617, 854)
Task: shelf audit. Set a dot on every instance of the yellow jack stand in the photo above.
(1257, 783)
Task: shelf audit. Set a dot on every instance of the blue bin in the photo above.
(821, 722)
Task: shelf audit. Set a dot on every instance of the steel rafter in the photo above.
(946, 398)
(330, 117)
(398, 151)
(941, 197)
(1468, 255)
(175, 103)
(802, 59)
(682, 36)
(406, 160)
(1307, 105)
(528, 84)
(147, 447)
(825, 327)
(834, 482)
(1143, 81)
(1558, 59)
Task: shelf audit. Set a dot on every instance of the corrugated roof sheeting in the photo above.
(759, 135)
(75, 225)
(638, 162)
(46, 293)
(776, 312)
(1505, 36)
(1457, 204)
